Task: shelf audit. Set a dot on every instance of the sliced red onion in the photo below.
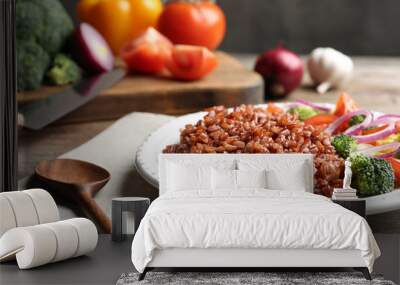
(291, 105)
(332, 127)
(353, 130)
(390, 116)
(387, 155)
(384, 120)
(375, 149)
(390, 129)
(313, 105)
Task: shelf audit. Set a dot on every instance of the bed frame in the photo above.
(240, 259)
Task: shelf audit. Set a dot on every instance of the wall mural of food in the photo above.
(196, 115)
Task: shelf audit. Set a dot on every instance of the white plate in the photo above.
(147, 159)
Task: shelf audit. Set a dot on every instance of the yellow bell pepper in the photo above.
(119, 21)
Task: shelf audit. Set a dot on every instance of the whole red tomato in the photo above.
(199, 23)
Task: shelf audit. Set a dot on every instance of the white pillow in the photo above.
(295, 180)
(251, 178)
(284, 172)
(226, 179)
(223, 179)
(188, 177)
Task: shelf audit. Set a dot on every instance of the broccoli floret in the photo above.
(344, 145)
(32, 63)
(304, 112)
(63, 71)
(43, 27)
(355, 120)
(44, 21)
(384, 175)
(371, 176)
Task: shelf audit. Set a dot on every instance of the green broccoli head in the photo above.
(355, 120)
(63, 71)
(32, 63)
(43, 27)
(371, 176)
(344, 145)
(304, 112)
(44, 21)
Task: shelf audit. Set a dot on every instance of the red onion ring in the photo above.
(313, 105)
(332, 127)
(291, 105)
(390, 129)
(353, 130)
(384, 120)
(390, 116)
(372, 150)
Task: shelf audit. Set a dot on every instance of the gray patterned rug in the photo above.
(243, 278)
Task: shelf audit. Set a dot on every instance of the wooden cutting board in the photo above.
(230, 84)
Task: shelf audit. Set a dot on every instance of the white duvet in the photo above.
(250, 219)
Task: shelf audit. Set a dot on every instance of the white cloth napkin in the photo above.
(115, 150)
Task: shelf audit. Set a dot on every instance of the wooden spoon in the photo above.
(77, 180)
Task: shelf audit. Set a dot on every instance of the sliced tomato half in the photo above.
(320, 119)
(396, 169)
(274, 109)
(147, 53)
(191, 62)
(345, 104)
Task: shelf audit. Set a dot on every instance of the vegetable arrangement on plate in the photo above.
(371, 142)
(331, 134)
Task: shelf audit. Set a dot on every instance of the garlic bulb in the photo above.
(329, 68)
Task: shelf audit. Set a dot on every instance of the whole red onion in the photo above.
(282, 71)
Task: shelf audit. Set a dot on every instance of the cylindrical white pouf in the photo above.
(23, 208)
(67, 239)
(33, 246)
(7, 218)
(45, 205)
(40, 244)
(87, 234)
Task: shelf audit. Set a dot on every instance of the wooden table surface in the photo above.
(375, 86)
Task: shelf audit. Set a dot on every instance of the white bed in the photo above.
(207, 226)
